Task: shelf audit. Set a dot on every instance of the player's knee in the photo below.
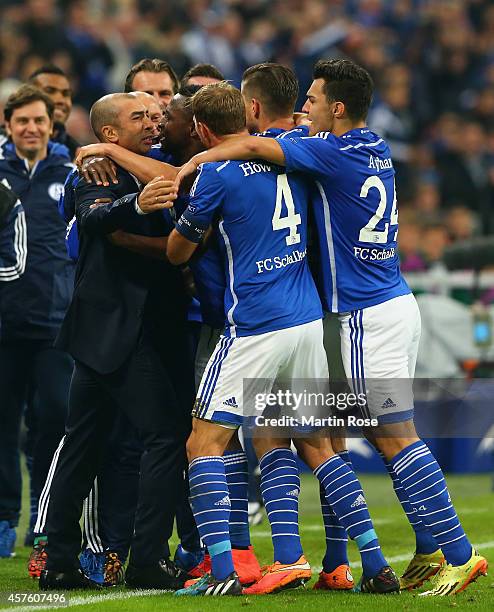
(338, 444)
(190, 447)
(263, 445)
(314, 452)
(391, 446)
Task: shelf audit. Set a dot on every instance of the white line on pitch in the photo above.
(92, 599)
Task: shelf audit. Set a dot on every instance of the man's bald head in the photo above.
(106, 111)
(123, 119)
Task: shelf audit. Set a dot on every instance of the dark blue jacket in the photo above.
(118, 291)
(34, 305)
(13, 236)
(13, 244)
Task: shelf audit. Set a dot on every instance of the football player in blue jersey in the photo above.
(357, 217)
(273, 331)
(270, 92)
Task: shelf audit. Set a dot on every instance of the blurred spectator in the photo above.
(432, 61)
(460, 223)
(78, 125)
(427, 202)
(155, 77)
(201, 74)
(409, 242)
(434, 239)
(465, 173)
(54, 82)
(393, 119)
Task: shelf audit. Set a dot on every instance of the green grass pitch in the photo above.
(475, 504)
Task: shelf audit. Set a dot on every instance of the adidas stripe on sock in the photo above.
(211, 507)
(344, 494)
(422, 478)
(424, 541)
(237, 478)
(280, 487)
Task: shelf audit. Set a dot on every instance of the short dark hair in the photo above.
(276, 86)
(202, 70)
(220, 106)
(150, 65)
(26, 94)
(46, 69)
(187, 92)
(347, 82)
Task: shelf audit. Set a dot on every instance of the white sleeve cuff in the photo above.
(139, 210)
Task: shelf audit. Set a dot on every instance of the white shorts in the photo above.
(379, 346)
(282, 355)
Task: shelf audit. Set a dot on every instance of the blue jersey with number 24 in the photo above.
(355, 213)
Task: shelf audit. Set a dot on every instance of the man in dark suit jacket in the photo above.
(123, 304)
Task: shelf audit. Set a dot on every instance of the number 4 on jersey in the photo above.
(292, 220)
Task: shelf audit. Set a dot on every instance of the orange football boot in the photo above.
(340, 579)
(279, 576)
(246, 565)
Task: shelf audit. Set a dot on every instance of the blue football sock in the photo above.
(280, 487)
(237, 478)
(423, 481)
(211, 507)
(345, 496)
(336, 536)
(424, 541)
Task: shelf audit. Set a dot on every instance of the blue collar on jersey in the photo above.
(270, 132)
(356, 132)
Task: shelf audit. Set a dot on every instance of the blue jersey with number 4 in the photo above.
(355, 213)
(262, 225)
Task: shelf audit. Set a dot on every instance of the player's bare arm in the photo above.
(242, 147)
(179, 250)
(148, 246)
(144, 168)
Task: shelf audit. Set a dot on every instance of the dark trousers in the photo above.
(118, 477)
(141, 388)
(118, 487)
(30, 369)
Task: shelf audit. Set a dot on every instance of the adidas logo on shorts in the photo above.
(360, 501)
(232, 402)
(389, 404)
(225, 501)
(293, 493)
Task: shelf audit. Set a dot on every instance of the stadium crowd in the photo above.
(432, 60)
(438, 124)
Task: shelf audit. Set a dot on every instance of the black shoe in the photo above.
(208, 586)
(385, 582)
(65, 581)
(164, 575)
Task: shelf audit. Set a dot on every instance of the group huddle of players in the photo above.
(246, 176)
